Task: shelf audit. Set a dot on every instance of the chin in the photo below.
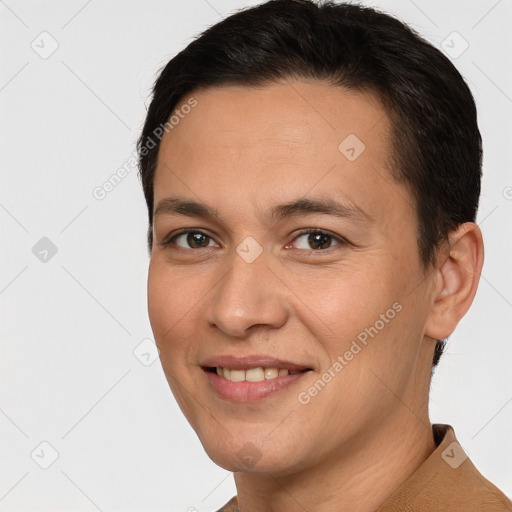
(250, 461)
(252, 456)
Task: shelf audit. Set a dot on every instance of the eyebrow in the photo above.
(297, 208)
(300, 207)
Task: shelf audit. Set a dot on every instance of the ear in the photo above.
(459, 266)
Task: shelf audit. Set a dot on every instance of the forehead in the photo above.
(279, 141)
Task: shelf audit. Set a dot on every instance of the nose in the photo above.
(248, 295)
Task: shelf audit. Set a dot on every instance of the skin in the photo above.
(242, 151)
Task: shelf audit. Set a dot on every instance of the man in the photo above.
(312, 175)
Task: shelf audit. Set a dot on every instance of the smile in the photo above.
(248, 378)
(253, 374)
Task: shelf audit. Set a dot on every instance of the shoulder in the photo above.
(448, 481)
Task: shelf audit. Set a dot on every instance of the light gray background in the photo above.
(70, 325)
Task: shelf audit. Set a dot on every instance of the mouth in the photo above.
(250, 379)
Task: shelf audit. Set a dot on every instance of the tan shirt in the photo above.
(446, 482)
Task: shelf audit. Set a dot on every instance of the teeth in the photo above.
(237, 375)
(271, 373)
(253, 374)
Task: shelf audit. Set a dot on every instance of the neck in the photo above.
(361, 476)
(362, 481)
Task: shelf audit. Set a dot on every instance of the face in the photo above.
(286, 293)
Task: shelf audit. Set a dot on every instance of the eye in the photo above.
(191, 240)
(317, 240)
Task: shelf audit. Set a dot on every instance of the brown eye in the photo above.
(196, 240)
(192, 240)
(319, 240)
(316, 240)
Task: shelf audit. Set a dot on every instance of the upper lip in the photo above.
(251, 361)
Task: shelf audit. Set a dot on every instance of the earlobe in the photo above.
(457, 276)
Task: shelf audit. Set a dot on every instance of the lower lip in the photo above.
(251, 391)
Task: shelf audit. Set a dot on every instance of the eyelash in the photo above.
(340, 240)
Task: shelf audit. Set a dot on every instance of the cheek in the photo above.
(361, 320)
(162, 301)
(340, 305)
(172, 302)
